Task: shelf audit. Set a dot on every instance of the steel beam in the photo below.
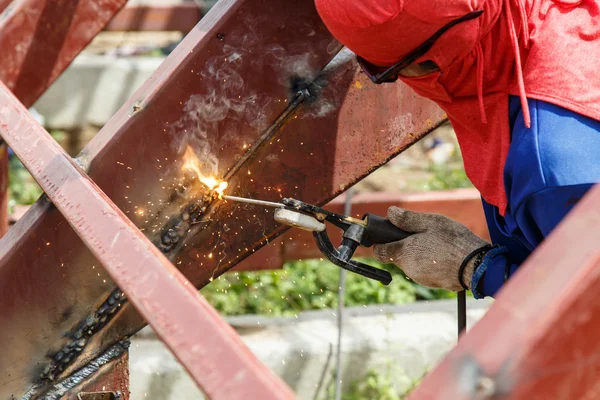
(3, 189)
(208, 85)
(539, 340)
(187, 324)
(39, 39)
(112, 379)
(218, 92)
(4, 4)
(462, 205)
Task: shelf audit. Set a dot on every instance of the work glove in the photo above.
(433, 254)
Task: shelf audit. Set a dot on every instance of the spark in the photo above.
(192, 163)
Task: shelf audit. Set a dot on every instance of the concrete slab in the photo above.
(409, 339)
(92, 89)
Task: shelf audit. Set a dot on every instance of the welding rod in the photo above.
(253, 201)
(269, 132)
(307, 94)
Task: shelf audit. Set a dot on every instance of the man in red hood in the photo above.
(519, 82)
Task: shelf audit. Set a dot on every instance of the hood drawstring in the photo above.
(515, 44)
(524, 23)
(479, 51)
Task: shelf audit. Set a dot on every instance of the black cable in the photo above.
(461, 299)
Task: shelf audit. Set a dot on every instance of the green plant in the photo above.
(390, 384)
(22, 188)
(448, 177)
(309, 285)
(58, 135)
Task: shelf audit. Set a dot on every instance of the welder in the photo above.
(519, 82)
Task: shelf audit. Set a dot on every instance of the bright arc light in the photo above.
(191, 162)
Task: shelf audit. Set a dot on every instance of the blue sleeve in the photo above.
(549, 168)
(537, 216)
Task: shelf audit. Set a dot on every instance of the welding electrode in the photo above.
(252, 201)
(283, 216)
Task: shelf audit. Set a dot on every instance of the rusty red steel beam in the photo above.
(4, 189)
(40, 38)
(112, 378)
(462, 205)
(540, 337)
(207, 86)
(231, 77)
(173, 17)
(195, 333)
(4, 4)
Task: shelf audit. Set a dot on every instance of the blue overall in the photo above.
(548, 169)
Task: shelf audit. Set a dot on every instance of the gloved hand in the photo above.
(433, 254)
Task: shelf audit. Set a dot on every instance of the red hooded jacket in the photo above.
(543, 49)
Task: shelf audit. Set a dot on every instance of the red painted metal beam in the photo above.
(3, 189)
(207, 86)
(4, 4)
(175, 17)
(539, 340)
(188, 325)
(40, 38)
(462, 205)
(114, 377)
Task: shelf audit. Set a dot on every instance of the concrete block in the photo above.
(411, 339)
(92, 89)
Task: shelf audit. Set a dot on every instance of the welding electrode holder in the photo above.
(372, 229)
(378, 230)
